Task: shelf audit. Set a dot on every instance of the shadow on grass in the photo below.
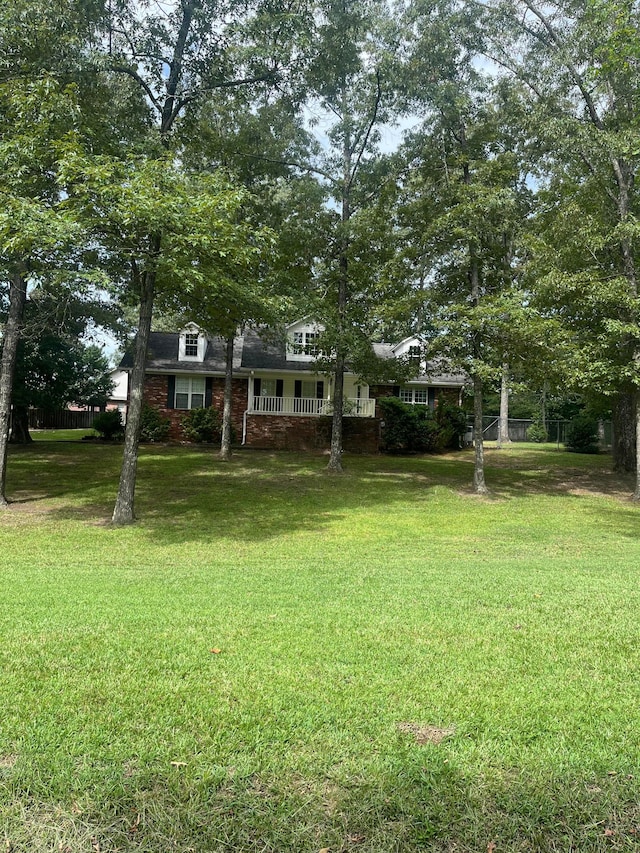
(414, 802)
(186, 493)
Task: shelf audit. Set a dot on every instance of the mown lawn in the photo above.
(276, 659)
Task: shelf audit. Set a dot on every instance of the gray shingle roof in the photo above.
(253, 352)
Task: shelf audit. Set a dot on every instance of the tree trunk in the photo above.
(17, 301)
(335, 457)
(123, 512)
(225, 441)
(503, 422)
(20, 426)
(636, 491)
(623, 441)
(479, 485)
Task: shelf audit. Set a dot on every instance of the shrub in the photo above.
(153, 426)
(453, 424)
(410, 428)
(108, 425)
(202, 425)
(582, 435)
(537, 433)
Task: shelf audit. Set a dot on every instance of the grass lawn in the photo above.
(60, 434)
(276, 659)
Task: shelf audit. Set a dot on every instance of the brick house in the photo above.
(281, 400)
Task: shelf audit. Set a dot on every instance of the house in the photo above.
(281, 397)
(119, 392)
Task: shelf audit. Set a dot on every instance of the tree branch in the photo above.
(124, 69)
(367, 135)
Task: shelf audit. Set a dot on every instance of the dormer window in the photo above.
(305, 343)
(193, 344)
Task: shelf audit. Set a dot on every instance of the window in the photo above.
(305, 343)
(190, 344)
(190, 392)
(418, 396)
(414, 352)
(267, 395)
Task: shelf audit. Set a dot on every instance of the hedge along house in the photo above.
(281, 399)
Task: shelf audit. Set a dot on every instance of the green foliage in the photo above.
(537, 433)
(452, 421)
(409, 428)
(54, 369)
(202, 425)
(153, 426)
(582, 435)
(109, 425)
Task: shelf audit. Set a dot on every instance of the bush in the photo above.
(411, 428)
(453, 425)
(582, 435)
(153, 426)
(537, 433)
(202, 425)
(108, 425)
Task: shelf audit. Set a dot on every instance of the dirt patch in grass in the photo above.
(424, 734)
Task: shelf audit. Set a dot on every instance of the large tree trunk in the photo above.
(503, 421)
(123, 512)
(17, 300)
(20, 426)
(623, 442)
(335, 456)
(479, 485)
(636, 491)
(225, 442)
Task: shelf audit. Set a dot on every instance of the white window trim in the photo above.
(201, 391)
(299, 351)
(413, 401)
(182, 344)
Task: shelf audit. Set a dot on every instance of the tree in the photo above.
(176, 59)
(54, 371)
(38, 106)
(579, 62)
(349, 86)
(465, 199)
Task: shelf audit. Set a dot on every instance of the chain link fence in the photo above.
(556, 430)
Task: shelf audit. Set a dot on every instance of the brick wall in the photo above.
(283, 432)
(450, 395)
(278, 432)
(155, 394)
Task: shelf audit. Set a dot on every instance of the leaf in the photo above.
(215, 651)
(491, 846)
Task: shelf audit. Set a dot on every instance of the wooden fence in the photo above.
(60, 419)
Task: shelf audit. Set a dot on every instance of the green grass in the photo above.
(351, 613)
(60, 434)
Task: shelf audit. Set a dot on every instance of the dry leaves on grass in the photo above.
(425, 733)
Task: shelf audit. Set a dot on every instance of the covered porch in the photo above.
(354, 407)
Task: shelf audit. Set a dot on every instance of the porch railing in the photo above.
(353, 407)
